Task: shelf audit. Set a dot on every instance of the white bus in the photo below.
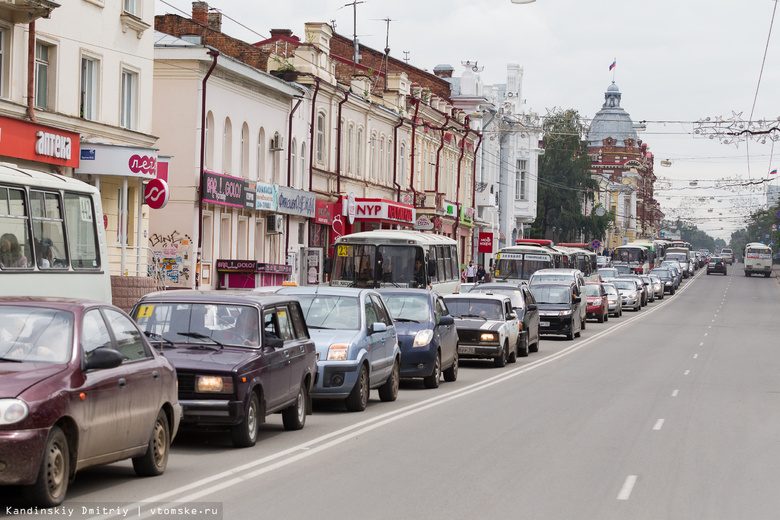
(516, 263)
(396, 258)
(758, 259)
(637, 257)
(52, 241)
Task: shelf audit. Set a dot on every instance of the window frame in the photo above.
(128, 98)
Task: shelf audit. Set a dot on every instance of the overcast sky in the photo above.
(678, 61)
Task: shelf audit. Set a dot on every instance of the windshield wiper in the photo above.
(198, 335)
(406, 320)
(163, 339)
(10, 360)
(472, 316)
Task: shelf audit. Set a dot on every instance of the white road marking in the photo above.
(674, 394)
(628, 486)
(658, 425)
(687, 372)
(695, 356)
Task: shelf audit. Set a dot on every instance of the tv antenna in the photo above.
(356, 53)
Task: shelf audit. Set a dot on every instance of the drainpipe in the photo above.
(311, 132)
(289, 169)
(395, 158)
(414, 133)
(338, 143)
(31, 73)
(438, 152)
(460, 161)
(213, 53)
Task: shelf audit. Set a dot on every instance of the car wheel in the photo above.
(52, 483)
(523, 352)
(535, 346)
(570, 335)
(155, 460)
(606, 316)
(601, 318)
(583, 324)
(432, 381)
(512, 357)
(294, 416)
(389, 390)
(500, 361)
(357, 400)
(244, 435)
(451, 374)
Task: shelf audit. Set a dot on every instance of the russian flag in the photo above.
(773, 172)
(613, 65)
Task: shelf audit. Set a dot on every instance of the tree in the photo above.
(565, 183)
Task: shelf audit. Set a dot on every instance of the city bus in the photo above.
(582, 259)
(656, 248)
(516, 263)
(52, 241)
(395, 258)
(758, 259)
(560, 259)
(637, 257)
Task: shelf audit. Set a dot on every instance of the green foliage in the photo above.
(690, 233)
(565, 183)
(760, 224)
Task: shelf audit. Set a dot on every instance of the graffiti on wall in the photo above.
(171, 255)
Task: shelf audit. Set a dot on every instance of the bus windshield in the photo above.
(521, 265)
(359, 265)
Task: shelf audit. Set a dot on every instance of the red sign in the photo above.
(34, 142)
(378, 209)
(485, 243)
(324, 212)
(156, 193)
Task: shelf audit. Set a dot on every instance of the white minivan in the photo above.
(758, 259)
(727, 255)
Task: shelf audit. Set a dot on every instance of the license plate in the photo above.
(466, 350)
(544, 323)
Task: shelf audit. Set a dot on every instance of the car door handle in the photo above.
(122, 382)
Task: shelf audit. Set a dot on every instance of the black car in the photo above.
(716, 265)
(239, 357)
(426, 334)
(558, 307)
(667, 278)
(525, 307)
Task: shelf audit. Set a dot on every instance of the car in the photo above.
(658, 286)
(426, 333)
(239, 357)
(81, 386)
(598, 303)
(676, 268)
(648, 287)
(640, 286)
(622, 268)
(629, 293)
(487, 326)
(603, 261)
(357, 344)
(667, 277)
(727, 255)
(558, 306)
(564, 276)
(466, 287)
(608, 272)
(614, 300)
(524, 305)
(717, 264)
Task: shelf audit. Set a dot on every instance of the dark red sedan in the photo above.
(598, 303)
(80, 385)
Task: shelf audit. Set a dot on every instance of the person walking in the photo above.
(471, 272)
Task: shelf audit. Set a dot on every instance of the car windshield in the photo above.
(626, 285)
(623, 269)
(408, 307)
(515, 294)
(35, 335)
(551, 294)
(608, 272)
(475, 308)
(592, 290)
(327, 311)
(610, 289)
(552, 277)
(202, 323)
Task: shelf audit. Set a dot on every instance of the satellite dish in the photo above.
(600, 211)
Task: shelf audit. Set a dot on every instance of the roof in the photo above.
(235, 297)
(611, 121)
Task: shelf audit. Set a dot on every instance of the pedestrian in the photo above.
(471, 272)
(481, 274)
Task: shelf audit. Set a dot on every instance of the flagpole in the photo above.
(614, 69)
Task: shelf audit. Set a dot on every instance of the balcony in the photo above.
(26, 11)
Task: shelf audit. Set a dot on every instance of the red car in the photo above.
(80, 386)
(598, 303)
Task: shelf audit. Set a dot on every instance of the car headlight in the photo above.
(338, 352)
(422, 338)
(488, 336)
(12, 411)
(668, 283)
(564, 313)
(597, 301)
(632, 295)
(214, 384)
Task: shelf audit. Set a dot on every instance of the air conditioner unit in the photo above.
(273, 224)
(277, 143)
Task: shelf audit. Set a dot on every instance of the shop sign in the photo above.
(323, 212)
(250, 190)
(423, 223)
(237, 266)
(124, 161)
(156, 193)
(467, 215)
(485, 242)
(377, 209)
(450, 210)
(351, 208)
(295, 202)
(223, 189)
(34, 142)
(265, 197)
(274, 268)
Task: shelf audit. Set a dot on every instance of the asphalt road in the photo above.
(667, 413)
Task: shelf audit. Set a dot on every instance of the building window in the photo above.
(520, 179)
(261, 155)
(359, 154)
(293, 162)
(224, 237)
(244, 150)
(127, 118)
(2, 62)
(41, 75)
(349, 150)
(432, 169)
(402, 169)
(89, 82)
(129, 6)
(389, 161)
(304, 173)
(320, 138)
(227, 146)
(372, 158)
(208, 152)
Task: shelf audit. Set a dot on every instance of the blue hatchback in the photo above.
(426, 333)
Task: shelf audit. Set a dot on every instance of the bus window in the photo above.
(15, 249)
(80, 223)
(454, 267)
(48, 230)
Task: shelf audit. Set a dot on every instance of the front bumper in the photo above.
(556, 325)
(480, 351)
(337, 379)
(205, 412)
(21, 452)
(417, 361)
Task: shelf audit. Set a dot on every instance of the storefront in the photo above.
(370, 214)
(38, 147)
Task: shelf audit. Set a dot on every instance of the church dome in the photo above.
(611, 121)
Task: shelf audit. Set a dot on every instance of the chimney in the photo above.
(281, 32)
(200, 12)
(215, 21)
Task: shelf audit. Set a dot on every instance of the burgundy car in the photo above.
(80, 385)
(598, 303)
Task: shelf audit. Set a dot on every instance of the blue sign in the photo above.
(778, 213)
(89, 155)
(663, 234)
(595, 244)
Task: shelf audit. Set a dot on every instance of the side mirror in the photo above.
(104, 358)
(272, 342)
(446, 320)
(576, 299)
(511, 316)
(377, 327)
(532, 307)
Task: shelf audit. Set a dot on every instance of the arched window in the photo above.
(304, 170)
(402, 173)
(320, 138)
(293, 164)
(227, 147)
(208, 158)
(349, 150)
(390, 161)
(359, 154)
(245, 150)
(381, 160)
(372, 158)
(261, 155)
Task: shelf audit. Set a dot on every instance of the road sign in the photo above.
(778, 213)
(595, 244)
(774, 227)
(664, 234)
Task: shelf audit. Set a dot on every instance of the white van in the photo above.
(728, 255)
(758, 259)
